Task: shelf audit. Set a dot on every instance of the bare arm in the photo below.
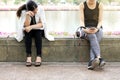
(82, 14)
(27, 21)
(35, 26)
(27, 25)
(82, 22)
(99, 19)
(100, 15)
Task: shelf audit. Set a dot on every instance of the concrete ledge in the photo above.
(62, 50)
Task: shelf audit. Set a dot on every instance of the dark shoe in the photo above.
(37, 64)
(102, 62)
(90, 68)
(90, 65)
(28, 64)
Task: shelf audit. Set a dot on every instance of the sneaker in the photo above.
(102, 62)
(90, 65)
(95, 62)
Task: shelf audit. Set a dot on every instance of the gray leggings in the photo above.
(94, 40)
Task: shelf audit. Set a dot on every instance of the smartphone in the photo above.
(92, 28)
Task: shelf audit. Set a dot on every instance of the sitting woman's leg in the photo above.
(94, 45)
(99, 35)
(38, 43)
(94, 51)
(28, 42)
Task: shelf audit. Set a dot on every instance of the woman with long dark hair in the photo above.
(31, 24)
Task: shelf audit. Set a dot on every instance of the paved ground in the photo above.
(58, 71)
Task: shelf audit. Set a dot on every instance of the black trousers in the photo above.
(37, 35)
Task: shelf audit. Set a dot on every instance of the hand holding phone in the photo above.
(92, 28)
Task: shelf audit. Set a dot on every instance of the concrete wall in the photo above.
(65, 50)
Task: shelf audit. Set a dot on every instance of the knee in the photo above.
(91, 36)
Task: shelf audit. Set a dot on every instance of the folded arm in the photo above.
(27, 25)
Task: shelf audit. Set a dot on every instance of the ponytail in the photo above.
(19, 11)
(30, 6)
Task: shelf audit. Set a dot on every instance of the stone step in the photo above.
(61, 50)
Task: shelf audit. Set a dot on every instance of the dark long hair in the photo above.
(29, 6)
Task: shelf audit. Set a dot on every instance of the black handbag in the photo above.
(78, 32)
(79, 35)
